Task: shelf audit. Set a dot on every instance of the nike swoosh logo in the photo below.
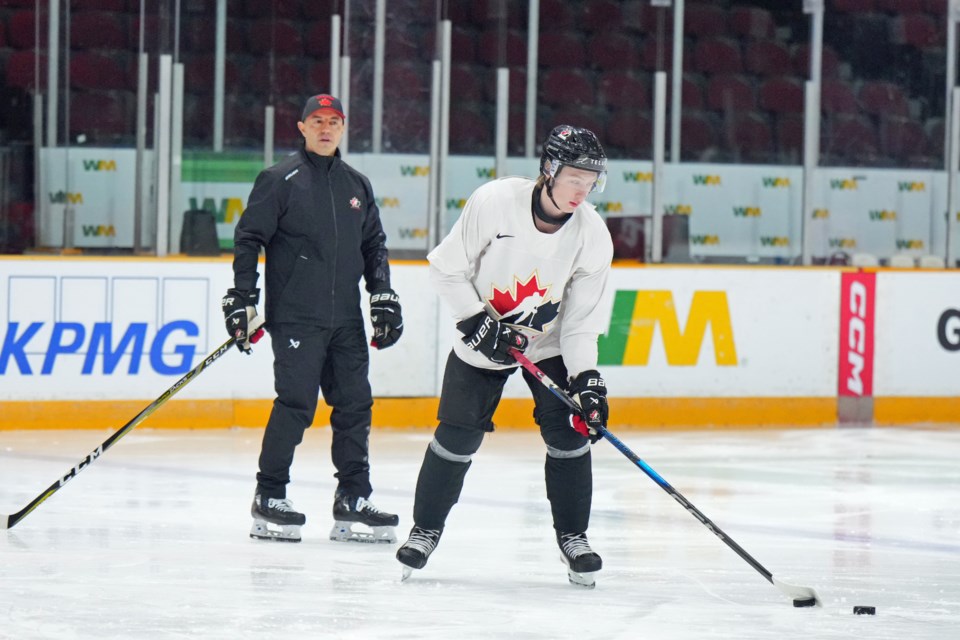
(502, 235)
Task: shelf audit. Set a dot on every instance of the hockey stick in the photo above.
(8, 522)
(802, 596)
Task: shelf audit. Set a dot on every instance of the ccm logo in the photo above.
(856, 334)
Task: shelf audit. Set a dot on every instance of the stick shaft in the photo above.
(8, 522)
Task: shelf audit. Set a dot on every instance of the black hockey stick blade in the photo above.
(801, 596)
(8, 522)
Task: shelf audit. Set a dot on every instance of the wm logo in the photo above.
(746, 212)
(64, 197)
(842, 243)
(229, 209)
(705, 239)
(637, 315)
(774, 241)
(843, 185)
(609, 207)
(707, 181)
(99, 231)
(912, 186)
(776, 183)
(821, 214)
(407, 232)
(883, 214)
(637, 176)
(910, 244)
(99, 165)
(384, 203)
(486, 172)
(678, 209)
(456, 203)
(407, 170)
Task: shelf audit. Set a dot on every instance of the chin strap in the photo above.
(540, 213)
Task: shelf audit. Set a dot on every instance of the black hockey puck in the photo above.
(805, 602)
(865, 611)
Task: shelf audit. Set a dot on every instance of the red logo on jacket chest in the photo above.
(354, 203)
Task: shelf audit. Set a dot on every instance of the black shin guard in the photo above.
(438, 489)
(570, 491)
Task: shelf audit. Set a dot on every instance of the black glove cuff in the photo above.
(581, 383)
(250, 297)
(469, 325)
(385, 296)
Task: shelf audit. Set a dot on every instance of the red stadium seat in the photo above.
(915, 30)
(582, 116)
(768, 58)
(403, 44)
(97, 30)
(836, 96)
(692, 92)
(849, 137)
(405, 80)
(561, 49)
(406, 128)
(902, 138)
(515, 48)
(289, 9)
(199, 77)
(118, 6)
(565, 86)
(198, 34)
(599, 16)
(22, 27)
(883, 98)
(489, 12)
(463, 45)
(286, 114)
(614, 51)
(751, 138)
(623, 89)
(935, 7)
(517, 86)
(95, 71)
(934, 130)
(20, 71)
(902, 6)
(466, 82)
(789, 136)
(782, 95)
(318, 76)
(752, 23)
(632, 131)
(279, 36)
(560, 13)
(853, 6)
(471, 130)
(829, 62)
(698, 135)
(730, 93)
(717, 55)
(317, 41)
(101, 116)
(288, 78)
(652, 47)
(704, 20)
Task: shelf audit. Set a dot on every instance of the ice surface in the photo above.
(151, 541)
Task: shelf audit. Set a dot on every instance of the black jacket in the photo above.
(320, 225)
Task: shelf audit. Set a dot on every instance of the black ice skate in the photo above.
(582, 562)
(277, 520)
(413, 554)
(357, 520)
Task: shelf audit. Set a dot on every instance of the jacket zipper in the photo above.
(336, 249)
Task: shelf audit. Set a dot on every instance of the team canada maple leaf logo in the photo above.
(525, 304)
(355, 202)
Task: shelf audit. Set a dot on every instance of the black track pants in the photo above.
(307, 360)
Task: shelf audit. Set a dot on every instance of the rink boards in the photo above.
(90, 342)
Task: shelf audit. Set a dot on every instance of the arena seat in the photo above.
(613, 51)
(751, 137)
(563, 86)
(704, 20)
(717, 55)
(317, 42)
(463, 45)
(836, 96)
(21, 29)
(649, 50)
(288, 77)
(599, 16)
(752, 23)
(623, 89)
(782, 95)
(560, 12)
(97, 30)
(853, 6)
(289, 9)
(849, 137)
(199, 77)
(90, 70)
(484, 12)
(20, 69)
(402, 44)
(406, 127)
(515, 48)
(916, 30)
(698, 135)
(829, 62)
(279, 36)
(789, 138)
(102, 116)
(879, 97)
(692, 90)
(934, 130)
(517, 85)
(730, 92)
(405, 80)
(471, 130)
(632, 131)
(561, 49)
(768, 58)
(466, 82)
(902, 6)
(902, 138)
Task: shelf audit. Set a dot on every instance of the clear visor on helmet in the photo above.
(598, 184)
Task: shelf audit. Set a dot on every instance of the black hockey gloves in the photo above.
(239, 312)
(385, 317)
(491, 338)
(590, 392)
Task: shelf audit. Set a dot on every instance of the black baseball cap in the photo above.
(322, 101)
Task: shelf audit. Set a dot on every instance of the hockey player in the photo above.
(525, 267)
(318, 221)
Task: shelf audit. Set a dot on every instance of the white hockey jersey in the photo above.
(551, 287)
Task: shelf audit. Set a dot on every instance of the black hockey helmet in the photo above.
(574, 147)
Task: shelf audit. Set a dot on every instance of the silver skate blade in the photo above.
(263, 530)
(344, 531)
(406, 572)
(585, 580)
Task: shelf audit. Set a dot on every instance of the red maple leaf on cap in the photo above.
(324, 101)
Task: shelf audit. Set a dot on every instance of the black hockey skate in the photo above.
(582, 561)
(413, 553)
(275, 520)
(357, 520)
